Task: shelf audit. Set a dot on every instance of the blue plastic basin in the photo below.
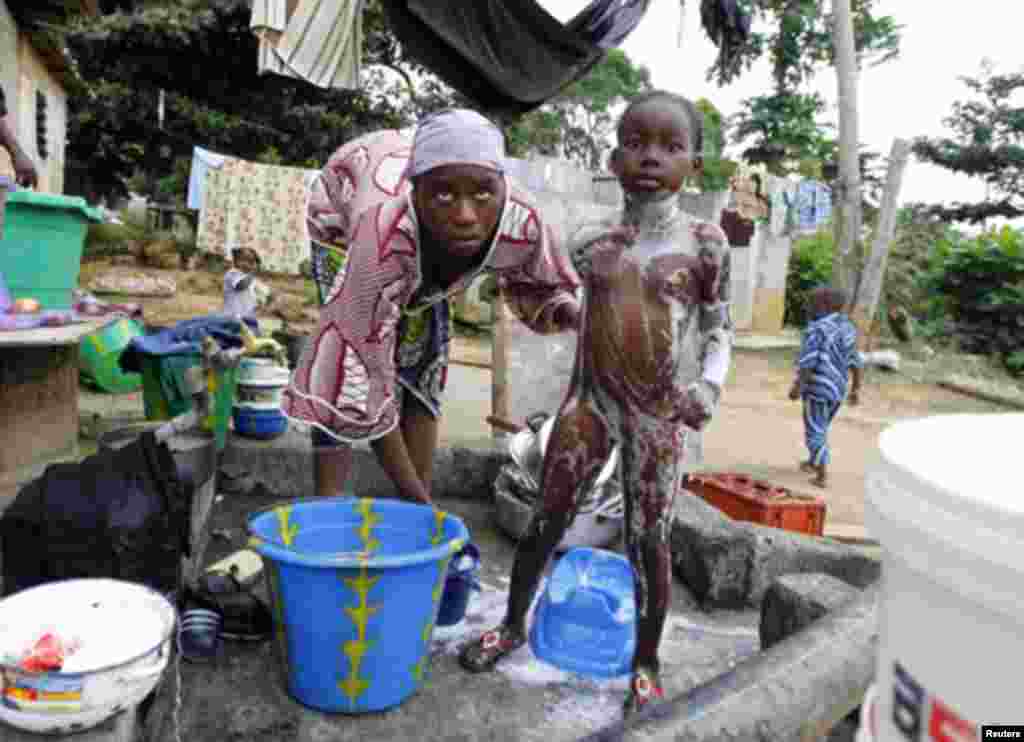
(256, 423)
(586, 618)
(355, 586)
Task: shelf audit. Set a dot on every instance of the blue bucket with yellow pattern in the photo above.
(355, 586)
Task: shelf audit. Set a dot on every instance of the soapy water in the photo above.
(702, 651)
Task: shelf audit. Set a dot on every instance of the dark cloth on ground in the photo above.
(121, 514)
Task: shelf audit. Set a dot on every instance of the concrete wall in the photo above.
(23, 74)
(569, 197)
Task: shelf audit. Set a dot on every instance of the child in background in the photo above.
(653, 352)
(828, 357)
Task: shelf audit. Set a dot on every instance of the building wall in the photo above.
(8, 55)
(24, 75)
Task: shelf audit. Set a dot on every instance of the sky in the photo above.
(905, 98)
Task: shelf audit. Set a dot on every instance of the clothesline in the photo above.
(245, 204)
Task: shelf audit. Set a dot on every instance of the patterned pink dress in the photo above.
(382, 331)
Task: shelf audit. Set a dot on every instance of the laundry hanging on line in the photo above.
(259, 207)
(202, 162)
(510, 56)
(811, 205)
(320, 42)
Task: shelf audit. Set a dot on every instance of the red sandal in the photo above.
(643, 688)
(483, 654)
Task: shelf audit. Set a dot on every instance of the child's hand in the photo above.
(701, 399)
(708, 232)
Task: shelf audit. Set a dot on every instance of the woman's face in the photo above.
(459, 207)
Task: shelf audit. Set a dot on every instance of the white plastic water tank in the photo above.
(945, 500)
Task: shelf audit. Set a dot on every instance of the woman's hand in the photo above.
(25, 171)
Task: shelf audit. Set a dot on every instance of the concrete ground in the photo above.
(242, 696)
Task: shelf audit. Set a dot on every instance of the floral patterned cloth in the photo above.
(261, 207)
(372, 340)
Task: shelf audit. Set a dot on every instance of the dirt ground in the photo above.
(760, 431)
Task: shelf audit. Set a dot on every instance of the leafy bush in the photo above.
(979, 284)
(105, 239)
(810, 265)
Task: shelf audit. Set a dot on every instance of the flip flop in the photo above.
(244, 616)
(483, 654)
(643, 688)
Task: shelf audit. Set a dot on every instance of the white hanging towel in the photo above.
(320, 42)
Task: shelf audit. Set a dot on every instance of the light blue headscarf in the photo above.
(456, 137)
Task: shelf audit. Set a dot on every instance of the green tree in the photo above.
(202, 54)
(987, 143)
(783, 128)
(578, 124)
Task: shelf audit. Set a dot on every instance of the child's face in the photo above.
(655, 154)
(459, 206)
(822, 303)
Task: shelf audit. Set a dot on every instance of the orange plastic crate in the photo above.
(743, 498)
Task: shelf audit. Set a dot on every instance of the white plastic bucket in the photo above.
(262, 388)
(945, 501)
(258, 370)
(125, 631)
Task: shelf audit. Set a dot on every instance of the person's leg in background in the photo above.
(420, 432)
(332, 464)
(818, 417)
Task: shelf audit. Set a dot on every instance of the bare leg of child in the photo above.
(652, 470)
(579, 446)
(821, 480)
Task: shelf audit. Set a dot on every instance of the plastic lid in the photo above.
(969, 464)
(54, 201)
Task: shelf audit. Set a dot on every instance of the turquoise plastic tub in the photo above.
(586, 618)
(41, 248)
(355, 586)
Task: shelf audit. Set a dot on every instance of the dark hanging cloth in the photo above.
(727, 24)
(121, 514)
(509, 56)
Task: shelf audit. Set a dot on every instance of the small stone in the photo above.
(795, 601)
